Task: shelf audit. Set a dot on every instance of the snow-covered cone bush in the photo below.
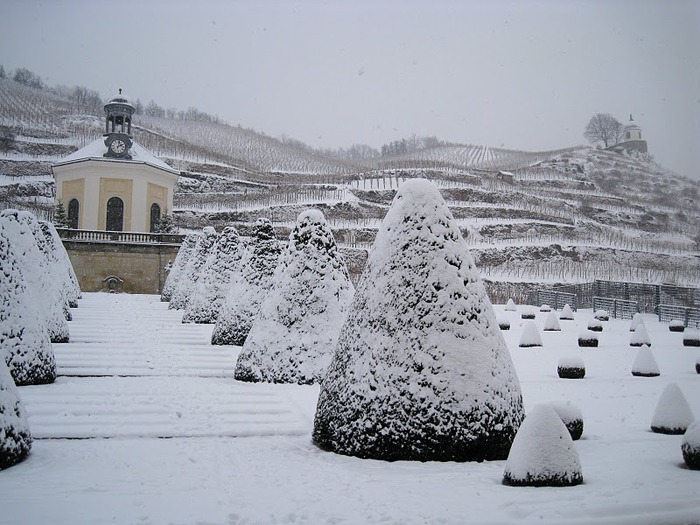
(571, 367)
(551, 323)
(640, 336)
(293, 338)
(421, 371)
(15, 438)
(595, 325)
(187, 281)
(528, 313)
(177, 269)
(690, 446)
(697, 365)
(249, 287)
(223, 265)
(59, 273)
(676, 325)
(644, 364)
(530, 336)
(566, 313)
(601, 315)
(673, 413)
(543, 453)
(637, 320)
(503, 323)
(571, 416)
(588, 338)
(691, 338)
(69, 280)
(24, 232)
(510, 306)
(24, 341)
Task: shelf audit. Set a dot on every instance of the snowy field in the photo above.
(146, 425)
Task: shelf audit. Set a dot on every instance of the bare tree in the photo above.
(605, 128)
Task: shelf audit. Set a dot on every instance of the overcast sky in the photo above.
(521, 75)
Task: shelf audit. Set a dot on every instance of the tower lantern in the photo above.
(118, 137)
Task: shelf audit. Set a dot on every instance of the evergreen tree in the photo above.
(192, 271)
(293, 338)
(421, 370)
(248, 289)
(60, 218)
(69, 279)
(177, 269)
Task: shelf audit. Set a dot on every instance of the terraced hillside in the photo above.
(558, 216)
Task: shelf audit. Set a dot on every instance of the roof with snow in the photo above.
(96, 150)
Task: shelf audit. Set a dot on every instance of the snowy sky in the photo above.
(521, 75)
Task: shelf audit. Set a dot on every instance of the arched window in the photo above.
(73, 213)
(115, 214)
(155, 216)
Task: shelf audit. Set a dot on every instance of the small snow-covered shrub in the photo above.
(551, 323)
(690, 446)
(595, 325)
(178, 266)
(15, 438)
(571, 367)
(571, 416)
(566, 313)
(543, 453)
(528, 313)
(601, 315)
(545, 308)
(644, 364)
(193, 269)
(640, 336)
(293, 338)
(676, 325)
(673, 413)
(697, 365)
(222, 266)
(530, 336)
(510, 306)
(421, 371)
(503, 323)
(637, 320)
(248, 288)
(588, 339)
(691, 338)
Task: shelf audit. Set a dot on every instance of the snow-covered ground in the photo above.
(242, 453)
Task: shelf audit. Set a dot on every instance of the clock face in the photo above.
(118, 146)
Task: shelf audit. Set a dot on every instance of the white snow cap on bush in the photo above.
(673, 413)
(223, 264)
(178, 267)
(571, 361)
(637, 320)
(15, 437)
(530, 336)
(567, 411)
(421, 371)
(293, 338)
(645, 364)
(510, 306)
(192, 271)
(551, 323)
(24, 341)
(640, 336)
(543, 452)
(690, 445)
(566, 313)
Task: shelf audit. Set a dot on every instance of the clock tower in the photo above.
(117, 136)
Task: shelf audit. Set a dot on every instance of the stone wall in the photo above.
(139, 268)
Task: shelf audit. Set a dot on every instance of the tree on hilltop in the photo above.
(605, 128)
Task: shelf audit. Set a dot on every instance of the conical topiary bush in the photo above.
(637, 320)
(690, 446)
(566, 314)
(644, 364)
(510, 306)
(223, 264)
(293, 338)
(543, 453)
(530, 336)
(421, 370)
(178, 266)
(571, 416)
(640, 336)
(60, 268)
(24, 341)
(673, 413)
(15, 438)
(551, 323)
(249, 287)
(187, 281)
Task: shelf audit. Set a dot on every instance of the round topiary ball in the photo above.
(595, 325)
(637, 320)
(673, 413)
(571, 416)
(602, 315)
(530, 336)
(676, 326)
(640, 336)
(503, 323)
(691, 338)
(588, 339)
(690, 446)
(528, 313)
(571, 367)
(545, 308)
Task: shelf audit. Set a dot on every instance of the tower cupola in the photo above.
(118, 137)
(632, 131)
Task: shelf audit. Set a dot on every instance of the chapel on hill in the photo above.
(113, 183)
